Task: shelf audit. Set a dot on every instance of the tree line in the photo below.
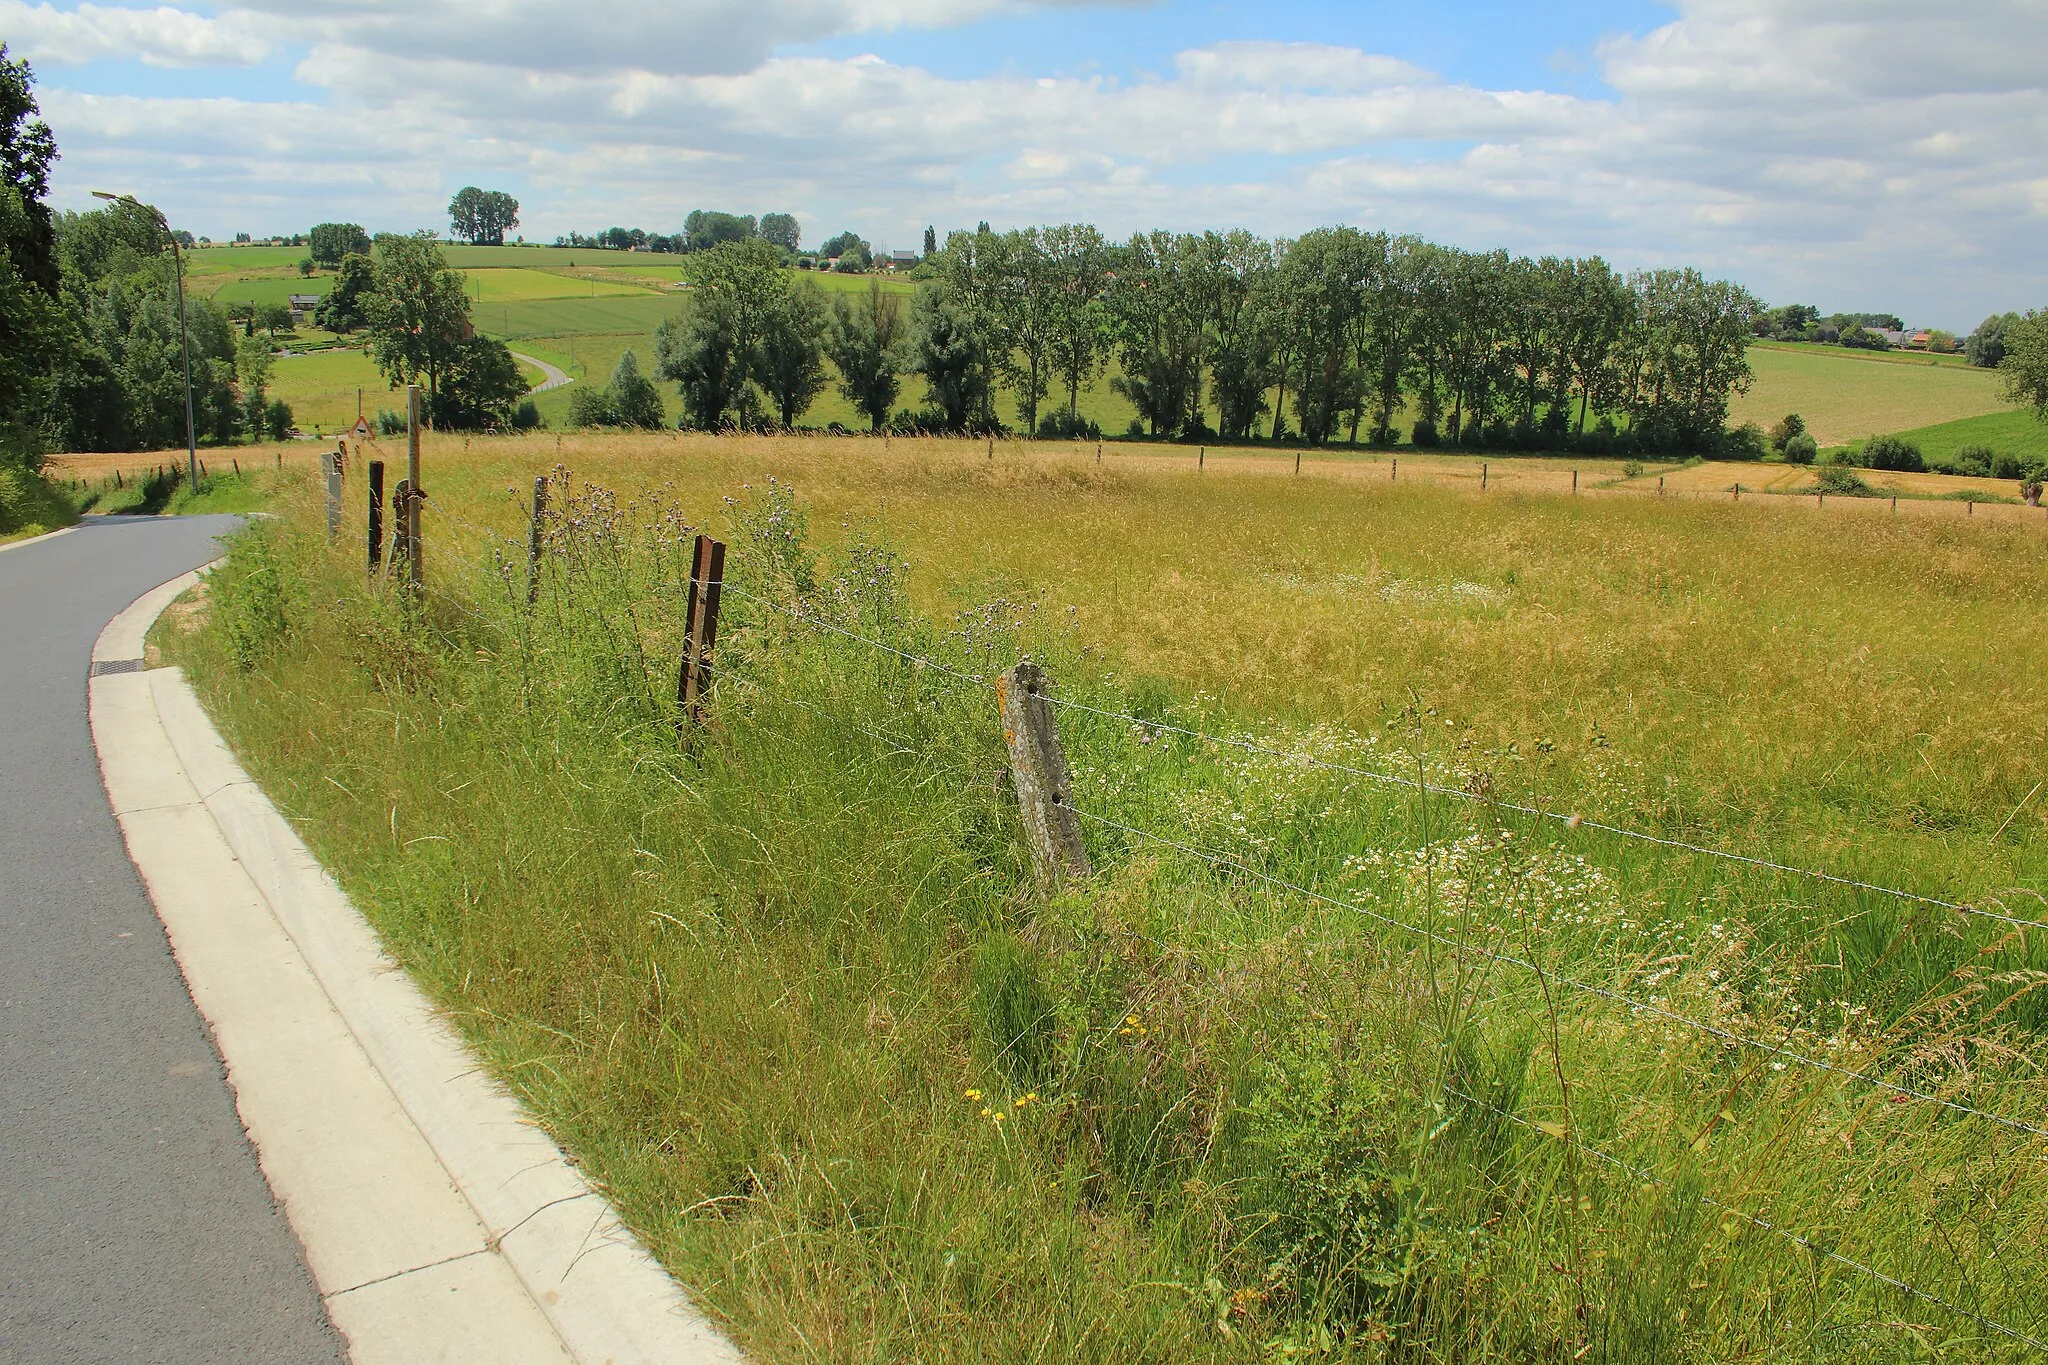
(702, 230)
(1338, 334)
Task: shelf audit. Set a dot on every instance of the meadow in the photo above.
(1347, 1049)
(1848, 395)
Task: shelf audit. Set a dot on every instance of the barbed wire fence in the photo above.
(492, 555)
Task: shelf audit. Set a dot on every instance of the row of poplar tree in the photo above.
(1340, 334)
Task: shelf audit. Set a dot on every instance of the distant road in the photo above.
(134, 1223)
(555, 378)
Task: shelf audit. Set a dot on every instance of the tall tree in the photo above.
(866, 344)
(792, 364)
(717, 351)
(328, 243)
(343, 310)
(483, 217)
(33, 337)
(782, 229)
(1078, 259)
(947, 348)
(931, 241)
(1241, 326)
(419, 312)
(2023, 369)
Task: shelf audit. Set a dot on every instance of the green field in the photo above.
(487, 287)
(323, 388)
(1847, 395)
(627, 313)
(1342, 1072)
(2014, 431)
(278, 290)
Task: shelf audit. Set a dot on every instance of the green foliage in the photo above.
(2023, 369)
(948, 350)
(417, 313)
(792, 352)
(29, 503)
(479, 386)
(1892, 452)
(331, 243)
(1840, 479)
(1985, 346)
(866, 343)
(482, 217)
(1801, 448)
(782, 229)
(1785, 428)
(708, 228)
(628, 399)
(343, 309)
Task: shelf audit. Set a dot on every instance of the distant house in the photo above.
(1891, 338)
(902, 260)
(303, 308)
(1920, 339)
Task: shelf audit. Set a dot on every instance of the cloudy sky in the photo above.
(1851, 153)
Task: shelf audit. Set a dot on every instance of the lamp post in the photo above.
(184, 335)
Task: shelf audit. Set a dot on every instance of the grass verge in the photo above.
(784, 988)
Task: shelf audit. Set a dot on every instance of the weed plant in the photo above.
(1313, 1067)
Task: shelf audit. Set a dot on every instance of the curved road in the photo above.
(134, 1223)
(555, 378)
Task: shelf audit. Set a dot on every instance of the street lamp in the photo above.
(184, 336)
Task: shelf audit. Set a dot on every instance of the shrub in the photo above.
(1060, 425)
(526, 417)
(1840, 479)
(1800, 449)
(1892, 452)
(2004, 464)
(1425, 435)
(390, 423)
(277, 420)
(1785, 429)
(1745, 442)
(1632, 469)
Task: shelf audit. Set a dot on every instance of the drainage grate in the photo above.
(106, 666)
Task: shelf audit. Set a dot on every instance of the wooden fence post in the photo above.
(1660, 485)
(1482, 476)
(413, 492)
(1575, 482)
(1738, 490)
(533, 539)
(376, 516)
(237, 464)
(1395, 476)
(707, 580)
(333, 464)
(1038, 767)
(1201, 459)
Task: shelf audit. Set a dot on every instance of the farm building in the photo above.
(302, 306)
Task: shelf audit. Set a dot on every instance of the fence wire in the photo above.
(797, 614)
(1417, 784)
(1558, 978)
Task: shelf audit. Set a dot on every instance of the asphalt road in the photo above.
(134, 1223)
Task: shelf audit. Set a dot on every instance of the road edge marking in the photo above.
(605, 1297)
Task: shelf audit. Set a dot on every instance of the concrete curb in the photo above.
(37, 540)
(438, 1221)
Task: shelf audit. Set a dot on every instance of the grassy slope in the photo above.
(743, 987)
(1847, 395)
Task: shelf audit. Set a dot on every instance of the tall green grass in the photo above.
(782, 985)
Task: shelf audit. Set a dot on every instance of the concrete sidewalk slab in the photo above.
(439, 1223)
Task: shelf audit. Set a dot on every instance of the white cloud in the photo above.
(1846, 152)
(157, 37)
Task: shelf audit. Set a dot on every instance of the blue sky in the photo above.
(1852, 153)
(1492, 44)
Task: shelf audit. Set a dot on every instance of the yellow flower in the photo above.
(973, 1094)
(985, 1111)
